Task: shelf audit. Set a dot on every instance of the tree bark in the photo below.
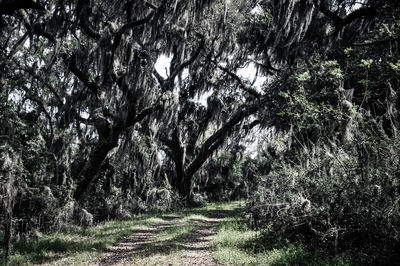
(176, 152)
(214, 141)
(96, 158)
(7, 235)
(185, 172)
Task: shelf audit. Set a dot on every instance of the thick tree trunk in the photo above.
(180, 184)
(185, 173)
(92, 167)
(108, 139)
(184, 185)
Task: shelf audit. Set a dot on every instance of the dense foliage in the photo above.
(335, 175)
(94, 129)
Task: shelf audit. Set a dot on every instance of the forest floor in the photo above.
(212, 235)
(183, 239)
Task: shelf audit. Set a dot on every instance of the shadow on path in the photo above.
(194, 245)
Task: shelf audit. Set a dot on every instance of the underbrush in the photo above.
(237, 244)
(339, 197)
(75, 244)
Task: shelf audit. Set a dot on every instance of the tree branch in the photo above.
(71, 63)
(7, 7)
(215, 140)
(245, 87)
(83, 13)
(43, 107)
(178, 69)
(159, 78)
(140, 116)
(341, 22)
(150, 5)
(267, 65)
(252, 124)
(31, 72)
(125, 28)
(38, 30)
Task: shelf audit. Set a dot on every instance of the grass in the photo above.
(235, 244)
(80, 245)
(76, 245)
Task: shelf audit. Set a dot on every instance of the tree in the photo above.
(101, 58)
(10, 167)
(195, 130)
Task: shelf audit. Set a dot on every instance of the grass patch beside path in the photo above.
(235, 244)
(76, 245)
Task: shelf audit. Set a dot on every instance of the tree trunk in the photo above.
(92, 166)
(7, 235)
(183, 170)
(184, 186)
(215, 140)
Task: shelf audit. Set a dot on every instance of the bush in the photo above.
(345, 197)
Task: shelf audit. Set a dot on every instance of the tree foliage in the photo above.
(334, 179)
(94, 129)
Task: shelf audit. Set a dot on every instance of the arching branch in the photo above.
(124, 29)
(71, 63)
(192, 58)
(83, 12)
(341, 22)
(215, 140)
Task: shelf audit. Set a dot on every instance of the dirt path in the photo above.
(177, 240)
(197, 249)
(136, 245)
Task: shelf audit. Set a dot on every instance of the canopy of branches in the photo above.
(143, 105)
